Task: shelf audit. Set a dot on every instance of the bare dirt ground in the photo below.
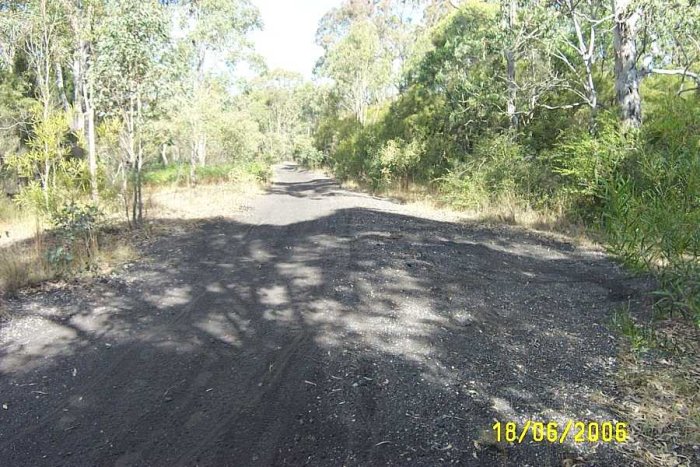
(319, 327)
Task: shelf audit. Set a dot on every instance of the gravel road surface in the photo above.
(318, 326)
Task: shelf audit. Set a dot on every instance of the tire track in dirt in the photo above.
(326, 327)
(107, 374)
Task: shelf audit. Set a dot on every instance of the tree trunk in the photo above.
(193, 163)
(139, 165)
(509, 20)
(60, 87)
(91, 140)
(92, 155)
(512, 89)
(626, 76)
(125, 193)
(199, 138)
(78, 119)
(202, 149)
(164, 153)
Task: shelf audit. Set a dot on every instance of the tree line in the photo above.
(584, 111)
(94, 93)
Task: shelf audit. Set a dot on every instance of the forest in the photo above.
(583, 112)
(577, 117)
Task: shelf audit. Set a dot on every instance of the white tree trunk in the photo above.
(202, 149)
(193, 160)
(60, 87)
(91, 138)
(509, 20)
(164, 153)
(626, 75)
(92, 154)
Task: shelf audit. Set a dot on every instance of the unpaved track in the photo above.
(319, 327)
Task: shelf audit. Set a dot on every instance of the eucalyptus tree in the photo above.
(83, 18)
(584, 25)
(359, 67)
(626, 22)
(13, 30)
(670, 41)
(366, 46)
(129, 48)
(210, 29)
(41, 42)
(279, 101)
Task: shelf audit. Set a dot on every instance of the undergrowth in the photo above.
(179, 174)
(79, 240)
(659, 374)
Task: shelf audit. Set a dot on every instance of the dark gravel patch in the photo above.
(321, 327)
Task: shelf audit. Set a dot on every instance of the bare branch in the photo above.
(681, 91)
(676, 72)
(565, 106)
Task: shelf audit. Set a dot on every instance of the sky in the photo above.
(288, 35)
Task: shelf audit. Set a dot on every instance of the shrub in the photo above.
(307, 155)
(586, 163)
(651, 211)
(398, 160)
(498, 167)
(178, 174)
(76, 227)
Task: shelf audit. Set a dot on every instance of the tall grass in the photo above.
(179, 174)
(9, 211)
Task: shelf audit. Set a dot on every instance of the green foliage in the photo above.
(129, 44)
(217, 25)
(679, 289)
(640, 337)
(76, 226)
(651, 209)
(360, 67)
(498, 167)
(398, 159)
(586, 162)
(258, 171)
(52, 177)
(306, 154)
(178, 174)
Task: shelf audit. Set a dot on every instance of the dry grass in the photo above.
(22, 265)
(24, 241)
(508, 210)
(25, 263)
(200, 202)
(21, 228)
(661, 397)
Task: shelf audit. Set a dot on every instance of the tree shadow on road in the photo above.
(359, 337)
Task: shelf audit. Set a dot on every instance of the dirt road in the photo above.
(319, 327)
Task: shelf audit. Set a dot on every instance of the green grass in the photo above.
(640, 337)
(179, 174)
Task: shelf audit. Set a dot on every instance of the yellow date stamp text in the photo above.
(553, 432)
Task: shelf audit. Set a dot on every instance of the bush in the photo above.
(255, 171)
(397, 160)
(497, 168)
(586, 163)
(178, 174)
(651, 210)
(307, 155)
(76, 227)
